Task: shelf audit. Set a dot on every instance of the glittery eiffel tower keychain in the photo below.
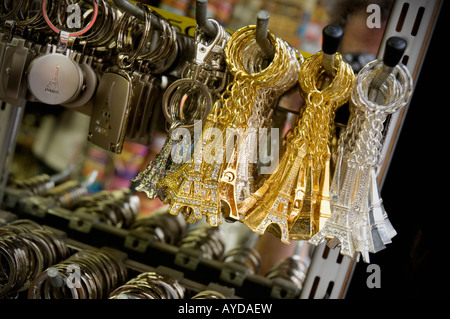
(293, 201)
(187, 100)
(358, 222)
(194, 189)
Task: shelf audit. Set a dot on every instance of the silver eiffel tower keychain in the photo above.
(358, 222)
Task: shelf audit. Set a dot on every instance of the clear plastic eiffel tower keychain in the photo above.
(358, 221)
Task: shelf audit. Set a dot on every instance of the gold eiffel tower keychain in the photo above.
(312, 190)
(267, 84)
(184, 189)
(296, 198)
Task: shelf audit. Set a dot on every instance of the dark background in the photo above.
(416, 190)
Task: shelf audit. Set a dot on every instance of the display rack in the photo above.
(329, 273)
(142, 251)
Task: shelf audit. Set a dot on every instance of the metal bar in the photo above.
(393, 52)
(201, 10)
(136, 11)
(262, 25)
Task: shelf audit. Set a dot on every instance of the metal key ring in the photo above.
(29, 21)
(178, 84)
(74, 34)
(11, 12)
(180, 105)
(8, 257)
(120, 35)
(94, 38)
(34, 292)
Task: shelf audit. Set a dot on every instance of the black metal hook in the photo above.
(331, 38)
(394, 50)
(262, 26)
(201, 10)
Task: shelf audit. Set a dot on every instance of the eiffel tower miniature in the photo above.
(212, 171)
(338, 226)
(235, 177)
(380, 225)
(300, 219)
(53, 85)
(274, 207)
(183, 188)
(360, 225)
(323, 207)
(227, 189)
(155, 171)
(246, 167)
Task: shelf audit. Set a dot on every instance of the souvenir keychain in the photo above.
(294, 200)
(185, 101)
(358, 222)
